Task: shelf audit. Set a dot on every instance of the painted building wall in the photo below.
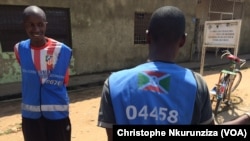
(244, 47)
(103, 34)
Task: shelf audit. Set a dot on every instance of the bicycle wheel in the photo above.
(217, 106)
(237, 80)
(222, 93)
(227, 94)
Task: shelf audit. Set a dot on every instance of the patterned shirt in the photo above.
(44, 59)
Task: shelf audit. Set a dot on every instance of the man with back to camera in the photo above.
(158, 92)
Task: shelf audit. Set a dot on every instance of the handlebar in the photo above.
(232, 57)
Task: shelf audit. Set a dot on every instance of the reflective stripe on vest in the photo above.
(50, 108)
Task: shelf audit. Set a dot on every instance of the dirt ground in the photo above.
(85, 103)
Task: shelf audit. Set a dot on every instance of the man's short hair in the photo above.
(33, 10)
(167, 22)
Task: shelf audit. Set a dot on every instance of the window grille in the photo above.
(12, 31)
(225, 9)
(141, 25)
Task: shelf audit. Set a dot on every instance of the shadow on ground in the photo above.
(229, 112)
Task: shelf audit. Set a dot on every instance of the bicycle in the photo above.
(229, 80)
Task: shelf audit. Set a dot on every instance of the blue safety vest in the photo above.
(153, 93)
(49, 99)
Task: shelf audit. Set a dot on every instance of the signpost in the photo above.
(220, 34)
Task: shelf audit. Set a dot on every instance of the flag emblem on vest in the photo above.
(154, 81)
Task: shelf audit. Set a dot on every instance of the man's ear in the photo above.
(183, 40)
(148, 38)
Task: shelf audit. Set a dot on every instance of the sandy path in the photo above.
(84, 109)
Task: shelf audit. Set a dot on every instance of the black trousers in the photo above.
(43, 129)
